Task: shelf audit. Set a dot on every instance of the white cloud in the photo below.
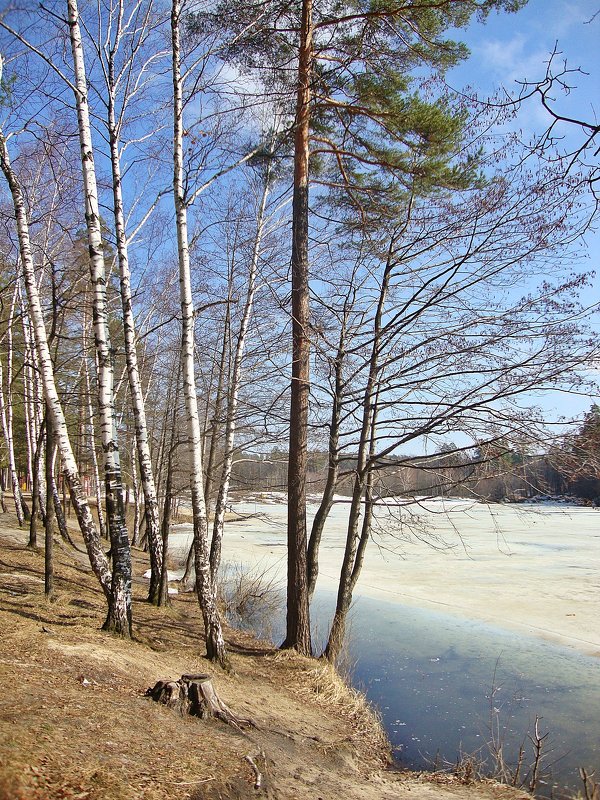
(511, 60)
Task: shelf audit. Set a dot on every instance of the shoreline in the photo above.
(412, 639)
(313, 735)
(534, 570)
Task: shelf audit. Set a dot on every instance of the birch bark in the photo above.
(136, 497)
(31, 433)
(6, 414)
(98, 560)
(119, 610)
(171, 444)
(49, 522)
(33, 403)
(209, 480)
(133, 373)
(89, 428)
(215, 643)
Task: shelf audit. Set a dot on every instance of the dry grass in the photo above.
(73, 719)
(319, 683)
(75, 724)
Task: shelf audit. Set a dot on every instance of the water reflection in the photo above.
(446, 687)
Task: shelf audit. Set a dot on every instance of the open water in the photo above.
(447, 688)
(448, 685)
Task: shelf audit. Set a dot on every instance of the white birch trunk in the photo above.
(136, 497)
(33, 403)
(119, 611)
(29, 415)
(98, 560)
(89, 428)
(232, 402)
(59, 513)
(135, 384)
(6, 414)
(49, 521)
(214, 426)
(215, 643)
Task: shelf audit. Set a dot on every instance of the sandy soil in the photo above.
(74, 721)
(529, 568)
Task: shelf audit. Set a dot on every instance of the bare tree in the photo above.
(97, 557)
(119, 617)
(6, 410)
(236, 374)
(125, 64)
(572, 140)
(432, 355)
(205, 587)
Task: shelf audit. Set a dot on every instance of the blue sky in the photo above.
(511, 47)
(516, 47)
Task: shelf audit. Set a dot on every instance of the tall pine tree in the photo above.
(361, 129)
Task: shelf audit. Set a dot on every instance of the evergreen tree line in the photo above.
(569, 470)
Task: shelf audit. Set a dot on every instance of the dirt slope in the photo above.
(74, 721)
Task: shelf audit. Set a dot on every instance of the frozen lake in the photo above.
(468, 617)
(530, 568)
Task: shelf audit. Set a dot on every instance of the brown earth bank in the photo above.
(74, 721)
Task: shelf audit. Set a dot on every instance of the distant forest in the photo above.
(493, 473)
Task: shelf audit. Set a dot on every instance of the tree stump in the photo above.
(195, 695)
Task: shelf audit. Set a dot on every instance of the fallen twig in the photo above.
(257, 773)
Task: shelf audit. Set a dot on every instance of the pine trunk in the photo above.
(298, 618)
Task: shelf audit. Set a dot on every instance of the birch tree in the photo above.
(97, 557)
(236, 375)
(119, 618)
(88, 428)
(125, 68)
(6, 411)
(205, 586)
(50, 515)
